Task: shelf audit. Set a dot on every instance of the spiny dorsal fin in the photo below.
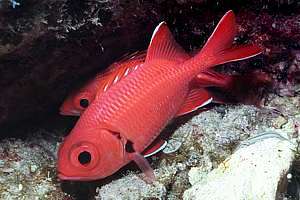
(117, 71)
(164, 46)
(137, 55)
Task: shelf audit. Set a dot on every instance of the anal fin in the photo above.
(196, 98)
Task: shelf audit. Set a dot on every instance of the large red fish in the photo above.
(122, 122)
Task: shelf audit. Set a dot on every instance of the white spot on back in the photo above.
(105, 88)
(116, 79)
(137, 66)
(126, 72)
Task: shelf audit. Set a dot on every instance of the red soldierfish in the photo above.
(79, 100)
(122, 122)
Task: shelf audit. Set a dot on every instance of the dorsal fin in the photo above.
(164, 46)
(117, 72)
(137, 55)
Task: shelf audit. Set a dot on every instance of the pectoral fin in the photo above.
(144, 166)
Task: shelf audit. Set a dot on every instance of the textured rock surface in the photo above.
(136, 191)
(27, 168)
(252, 172)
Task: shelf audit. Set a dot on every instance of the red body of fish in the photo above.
(120, 123)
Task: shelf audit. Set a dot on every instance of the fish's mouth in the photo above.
(70, 113)
(64, 177)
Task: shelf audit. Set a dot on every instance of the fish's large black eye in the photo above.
(84, 103)
(84, 158)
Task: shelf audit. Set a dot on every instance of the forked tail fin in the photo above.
(219, 49)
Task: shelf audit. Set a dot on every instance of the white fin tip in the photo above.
(156, 29)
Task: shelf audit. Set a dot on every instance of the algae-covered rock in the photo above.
(27, 169)
(134, 189)
(49, 47)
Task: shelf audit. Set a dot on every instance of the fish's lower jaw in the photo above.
(69, 178)
(70, 113)
(63, 177)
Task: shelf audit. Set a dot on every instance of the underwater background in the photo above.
(242, 150)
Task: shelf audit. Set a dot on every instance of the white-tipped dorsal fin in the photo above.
(164, 46)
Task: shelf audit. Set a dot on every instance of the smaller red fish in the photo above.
(79, 100)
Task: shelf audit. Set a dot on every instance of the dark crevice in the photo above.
(129, 147)
(118, 135)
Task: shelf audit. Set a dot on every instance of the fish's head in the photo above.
(76, 103)
(92, 155)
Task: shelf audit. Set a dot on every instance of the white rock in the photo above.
(252, 172)
(20, 187)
